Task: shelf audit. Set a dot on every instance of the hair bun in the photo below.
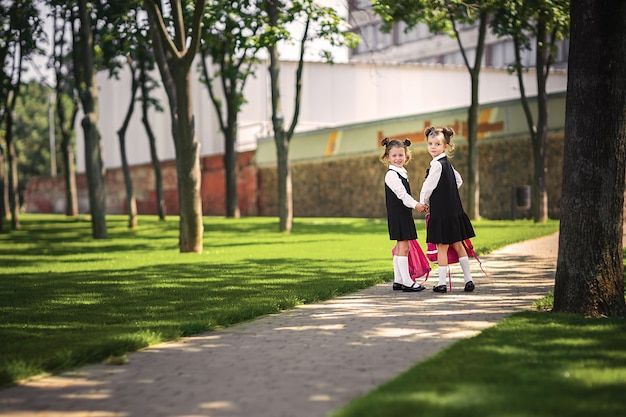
(448, 131)
(407, 142)
(429, 131)
(384, 142)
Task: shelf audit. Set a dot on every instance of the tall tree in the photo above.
(174, 52)
(125, 34)
(446, 16)
(145, 62)
(85, 74)
(230, 42)
(320, 23)
(120, 37)
(22, 31)
(538, 25)
(590, 271)
(131, 199)
(66, 98)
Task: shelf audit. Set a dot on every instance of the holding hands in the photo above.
(422, 208)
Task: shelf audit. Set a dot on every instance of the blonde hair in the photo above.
(445, 133)
(395, 143)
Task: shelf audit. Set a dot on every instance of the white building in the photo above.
(386, 77)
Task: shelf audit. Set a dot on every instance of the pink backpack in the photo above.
(453, 257)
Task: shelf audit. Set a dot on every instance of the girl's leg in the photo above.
(402, 248)
(402, 259)
(397, 277)
(442, 261)
(465, 266)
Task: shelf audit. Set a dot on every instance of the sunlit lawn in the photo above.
(532, 364)
(67, 299)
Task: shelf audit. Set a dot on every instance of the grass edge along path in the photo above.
(67, 300)
(533, 363)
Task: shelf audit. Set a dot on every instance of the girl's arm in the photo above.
(395, 184)
(434, 174)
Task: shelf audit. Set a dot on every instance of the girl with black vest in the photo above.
(400, 205)
(448, 224)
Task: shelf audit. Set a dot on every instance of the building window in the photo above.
(420, 31)
(373, 39)
(502, 54)
(456, 58)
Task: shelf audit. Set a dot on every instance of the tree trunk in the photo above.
(156, 165)
(188, 168)
(228, 128)
(12, 172)
(5, 183)
(131, 200)
(230, 166)
(94, 169)
(71, 199)
(285, 198)
(473, 210)
(285, 194)
(174, 58)
(589, 274)
(3, 206)
(540, 137)
(154, 157)
(472, 142)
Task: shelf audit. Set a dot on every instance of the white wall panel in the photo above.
(332, 95)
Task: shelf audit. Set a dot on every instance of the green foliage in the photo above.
(437, 14)
(520, 19)
(322, 23)
(31, 132)
(67, 299)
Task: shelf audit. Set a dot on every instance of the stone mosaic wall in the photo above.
(353, 187)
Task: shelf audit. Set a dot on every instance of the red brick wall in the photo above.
(47, 195)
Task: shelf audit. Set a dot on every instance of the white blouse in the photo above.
(434, 175)
(395, 184)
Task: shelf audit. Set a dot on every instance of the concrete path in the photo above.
(301, 363)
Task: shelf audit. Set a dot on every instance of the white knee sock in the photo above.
(467, 274)
(397, 277)
(403, 267)
(443, 274)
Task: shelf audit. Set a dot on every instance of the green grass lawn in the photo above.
(67, 299)
(532, 364)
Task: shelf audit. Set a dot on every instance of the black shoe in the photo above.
(397, 286)
(469, 286)
(440, 288)
(412, 288)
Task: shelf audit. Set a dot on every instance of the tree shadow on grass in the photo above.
(84, 316)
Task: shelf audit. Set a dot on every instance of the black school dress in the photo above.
(399, 217)
(448, 221)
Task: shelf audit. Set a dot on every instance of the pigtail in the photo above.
(407, 143)
(384, 142)
(448, 132)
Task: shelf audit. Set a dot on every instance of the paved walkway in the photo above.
(301, 363)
